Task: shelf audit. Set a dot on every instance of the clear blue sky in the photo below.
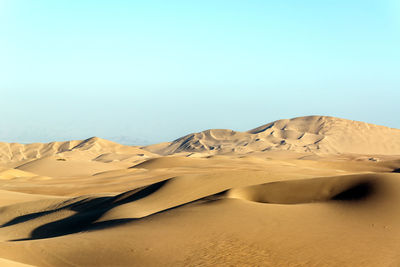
(152, 71)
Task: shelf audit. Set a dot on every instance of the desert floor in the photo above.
(73, 204)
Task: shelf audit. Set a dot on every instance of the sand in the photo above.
(310, 191)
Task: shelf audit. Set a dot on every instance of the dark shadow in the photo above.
(28, 217)
(84, 222)
(357, 192)
(215, 197)
(88, 211)
(93, 227)
(396, 170)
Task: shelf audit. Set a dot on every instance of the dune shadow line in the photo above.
(359, 191)
(88, 211)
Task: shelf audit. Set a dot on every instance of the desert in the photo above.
(200, 133)
(307, 191)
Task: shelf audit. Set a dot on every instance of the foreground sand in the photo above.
(97, 203)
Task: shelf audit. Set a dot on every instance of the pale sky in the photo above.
(140, 72)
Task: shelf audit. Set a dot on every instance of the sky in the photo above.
(142, 72)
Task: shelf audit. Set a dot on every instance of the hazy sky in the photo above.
(150, 71)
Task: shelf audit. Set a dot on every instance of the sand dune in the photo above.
(95, 148)
(56, 166)
(310, 191)
(346, 188)
(232, 225)
(316, 134)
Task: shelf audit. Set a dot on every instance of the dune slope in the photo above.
(310, 191)
(319, 134)
(246, 225)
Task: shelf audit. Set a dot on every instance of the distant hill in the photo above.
(319, 134)
(316, 134)
(95, 147)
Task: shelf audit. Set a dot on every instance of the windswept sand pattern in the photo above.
(316, 134)
(308, 191)
(95, 147)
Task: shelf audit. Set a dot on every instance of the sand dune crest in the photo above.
(308, 191)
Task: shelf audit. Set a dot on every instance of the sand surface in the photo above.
(310, 191)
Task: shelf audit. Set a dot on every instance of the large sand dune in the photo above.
(304, 134)
(310, 191)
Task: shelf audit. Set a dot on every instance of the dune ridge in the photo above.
(309, 191)
(317, 134)
(99, 149)
(54, 223)
(314, 134)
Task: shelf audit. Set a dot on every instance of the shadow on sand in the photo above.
(88, 211)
